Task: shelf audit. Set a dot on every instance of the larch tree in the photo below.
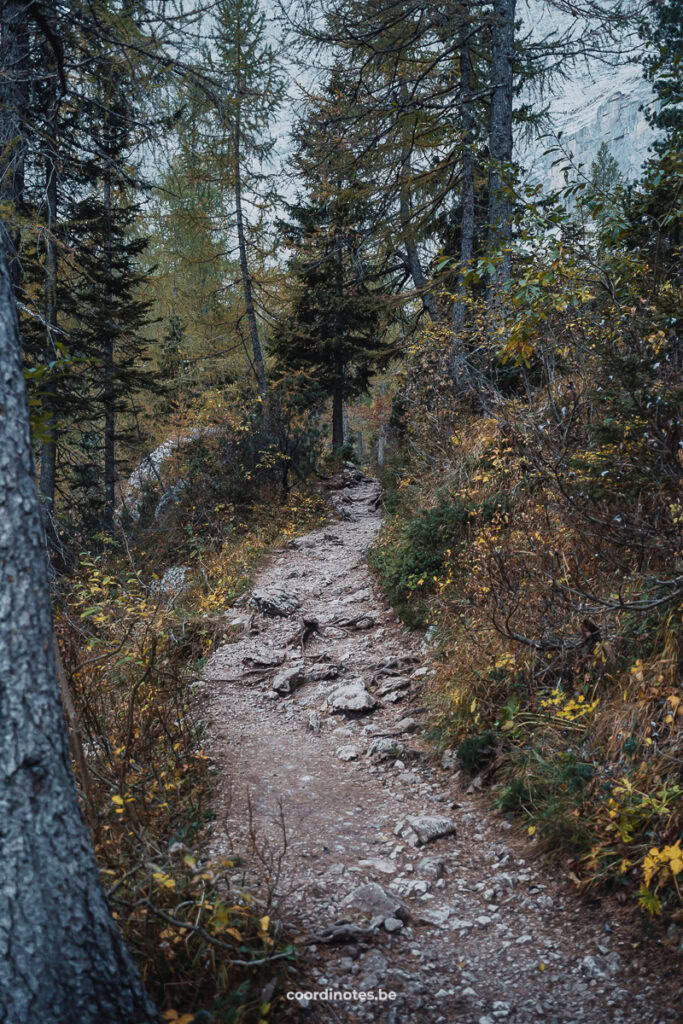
(251, 91)
(62, 957)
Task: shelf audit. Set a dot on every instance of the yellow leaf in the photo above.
(506, 725)
(264, 923)
(541, 967)
(165, 880)
(531, 830)
(117, 800)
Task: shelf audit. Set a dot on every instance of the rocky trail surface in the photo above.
(413, 902)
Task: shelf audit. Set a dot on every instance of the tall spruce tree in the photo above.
(333, 335)
(105, 294)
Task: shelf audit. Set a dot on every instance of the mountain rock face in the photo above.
(601, 101)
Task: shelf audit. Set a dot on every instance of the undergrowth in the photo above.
(209, 948)
(539, 531)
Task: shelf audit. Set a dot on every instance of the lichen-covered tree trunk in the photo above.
(257, 351)
(48, 451)
(458, 361)
(500, 138)
(62, 958)
(109, 374)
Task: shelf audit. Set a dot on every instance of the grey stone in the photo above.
(372, 899)
(173, 581)
(421, 829)
(319, 672)
(384, 748)
(383, 864)
(169, 498)
(436, 916)
(392, 924)
(351, 696)
(286, 682)
(266, 657)
(275, 603)
(314, 722)
(431, 867)
(392, 684)
(350, 752)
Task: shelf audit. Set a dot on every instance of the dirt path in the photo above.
(460, 928)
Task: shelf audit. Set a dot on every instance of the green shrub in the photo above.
(414, 550)
(477, 751)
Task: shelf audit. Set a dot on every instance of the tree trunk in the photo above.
(259, 364)
(109, 390)
(382, 435)
(412, 255)
(467, 186)
(338, 391)
(338, 411)
(48, 451)
(14, 72)
(62, 958)
(500, 140)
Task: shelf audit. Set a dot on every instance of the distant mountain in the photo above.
(598, 103)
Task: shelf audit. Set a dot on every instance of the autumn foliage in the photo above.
(537, 526)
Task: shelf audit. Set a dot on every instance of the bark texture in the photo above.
(259, 363)
(109, 385)
(458, 360)
(48, 452)
(62, 958)
(500, 133)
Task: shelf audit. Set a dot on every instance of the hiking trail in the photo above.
(394, 877)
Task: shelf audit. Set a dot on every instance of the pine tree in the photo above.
(105, 295)
(333, 336)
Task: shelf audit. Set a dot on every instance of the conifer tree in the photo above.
(250, 93)
(333, 335)
(110, 315)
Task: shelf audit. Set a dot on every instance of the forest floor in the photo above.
(411, 899)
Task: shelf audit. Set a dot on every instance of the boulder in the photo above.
(320, 671)
(351, 696)
(349, 752)
(265, 657)
(384, 748)
(425, 828)
(286, 682)
(431, 867)
(373, 900)
(173, 581)
(275, 603)
(393, 684)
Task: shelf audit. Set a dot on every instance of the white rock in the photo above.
(382, 864)
(351, 696)
(350, 752)
(421, 829)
